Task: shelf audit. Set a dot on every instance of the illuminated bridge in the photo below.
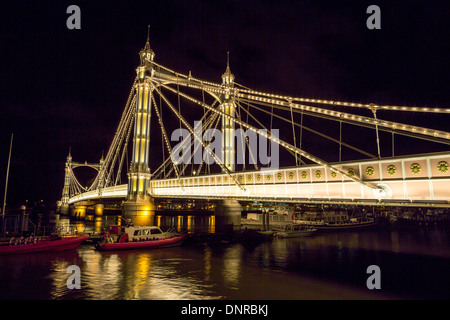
(268, 147)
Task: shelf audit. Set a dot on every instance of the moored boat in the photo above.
(133, 237)
(295, 230)
(352, 224)
(42, 244)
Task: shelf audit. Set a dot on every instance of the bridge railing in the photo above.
(410, 178)
(119, 191)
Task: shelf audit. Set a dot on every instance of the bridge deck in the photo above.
(423, 179)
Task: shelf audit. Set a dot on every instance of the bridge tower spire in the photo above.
(64, 209)
(139, 175)
(228, 212)
(101, 169)
(139, 202)
(228, 107)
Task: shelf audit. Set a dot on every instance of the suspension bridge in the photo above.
(162, 100)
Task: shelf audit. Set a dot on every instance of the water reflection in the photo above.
(58, 278)
(158, 274)
(325, 266)
(232, 266)
(395, 242)
(207, 263)
(96, 224)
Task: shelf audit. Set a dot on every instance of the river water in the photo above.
(414, 264)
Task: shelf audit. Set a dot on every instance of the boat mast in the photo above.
(6, 183)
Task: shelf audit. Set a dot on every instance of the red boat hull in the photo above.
(170, 242)
(65, 243)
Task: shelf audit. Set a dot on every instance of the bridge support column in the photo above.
(140, 212)
(64, 209)
(79, 212)
(228, 216)
(98, 209)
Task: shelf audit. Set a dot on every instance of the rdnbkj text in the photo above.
(230, 309)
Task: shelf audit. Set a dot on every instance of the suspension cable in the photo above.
(264, 127)
(127, 123)
(293, 130)
(162, 139)
(315, 132)
(280, 142)
(125, 148)
(217, 120)
(166, 139)
(340, 140)
(182, 145)
(208, 125)
(374, 110)
(186, 124)
(404, 129)
(238, 112)
(400, 128)
(301, 134)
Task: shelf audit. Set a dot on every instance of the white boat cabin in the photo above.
(137, 233)
(144, 233)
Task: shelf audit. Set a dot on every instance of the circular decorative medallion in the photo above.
(249, 178)
(415, 168)
(370, 171)
(219, 179)
(225, 179)
(291, 175)
(351, 172)
(268, 177)
(318, 174)
(279, 175)
(391, 170)
(304, 175)
(443, 166)
(333, 173)
(258, 177)
(241, 178)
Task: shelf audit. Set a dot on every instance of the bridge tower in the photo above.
(228, 107)
(139, 205)
(64, 209)
(101, 182)
(228, 212)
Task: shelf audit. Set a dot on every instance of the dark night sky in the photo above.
(63, 88)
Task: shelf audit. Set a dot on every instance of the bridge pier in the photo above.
(64, 209)
(98, 209)
(79, 212)
(228, 216)
(140, 212)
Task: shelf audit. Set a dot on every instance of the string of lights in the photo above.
(286, 101)
(195, 135)
(163, 77)
(313, 131)
(280, 142)
(166, 139)
(208, 122)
